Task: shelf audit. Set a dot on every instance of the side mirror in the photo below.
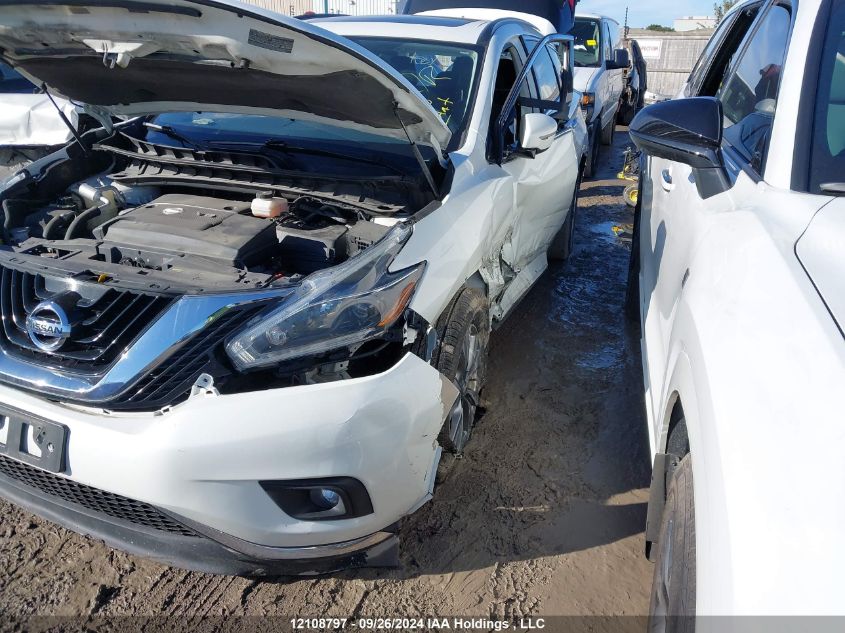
(621, 60)
(687, 131)
(538, 132)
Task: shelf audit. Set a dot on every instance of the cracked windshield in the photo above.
(443, 73)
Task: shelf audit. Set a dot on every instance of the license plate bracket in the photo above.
(33, 440)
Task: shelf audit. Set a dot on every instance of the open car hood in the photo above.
(132, 57)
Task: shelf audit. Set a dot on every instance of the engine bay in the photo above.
(196, 221)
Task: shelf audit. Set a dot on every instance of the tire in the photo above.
(564, 243)
(593, 156)
(630, 109)
(627, 107)
(631, 195)
(672, 608)
(464, 330)
(632, 291)
(608, 132)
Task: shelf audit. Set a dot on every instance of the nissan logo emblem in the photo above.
(48, 326)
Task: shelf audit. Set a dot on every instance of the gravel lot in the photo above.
(544, 516)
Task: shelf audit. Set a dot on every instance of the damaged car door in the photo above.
(543, 171)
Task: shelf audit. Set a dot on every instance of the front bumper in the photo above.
(201, 553)
(199, 465)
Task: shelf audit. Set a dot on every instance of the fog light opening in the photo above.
(324, 499)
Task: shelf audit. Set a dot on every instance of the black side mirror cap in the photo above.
(687, 131)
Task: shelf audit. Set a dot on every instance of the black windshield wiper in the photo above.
(169, 131)
(284, 146)
(836, 188)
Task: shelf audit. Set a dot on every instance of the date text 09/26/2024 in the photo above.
(404, 624)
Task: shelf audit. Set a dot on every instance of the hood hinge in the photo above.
(423, 165)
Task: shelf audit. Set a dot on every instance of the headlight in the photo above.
(588, 100)
(334, 308)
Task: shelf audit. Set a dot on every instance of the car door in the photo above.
(673, 212)
(616, 77)
(544, 183)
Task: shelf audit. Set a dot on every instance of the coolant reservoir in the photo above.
(265, 205)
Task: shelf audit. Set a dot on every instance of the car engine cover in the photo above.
(177, 225)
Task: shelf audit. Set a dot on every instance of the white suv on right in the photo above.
(738, 279)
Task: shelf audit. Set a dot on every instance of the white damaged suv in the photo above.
(240, 327)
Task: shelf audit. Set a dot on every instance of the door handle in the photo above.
(666, 179)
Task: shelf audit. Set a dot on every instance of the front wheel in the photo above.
(672, 607)
(608, 132)
(464, 332)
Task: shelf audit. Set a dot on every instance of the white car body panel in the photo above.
(31, 119)
(606, 85)
(734, 326)
(821, 250)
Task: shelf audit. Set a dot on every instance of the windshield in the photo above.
(444, 73)
(587, 34)
(828, 157)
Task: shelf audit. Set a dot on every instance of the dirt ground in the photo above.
(544, 516)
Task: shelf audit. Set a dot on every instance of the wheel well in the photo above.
(477, 282)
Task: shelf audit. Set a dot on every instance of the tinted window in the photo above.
(827, 164)
(709, 73)
(588, 42)
(614, 39)
(749, 97)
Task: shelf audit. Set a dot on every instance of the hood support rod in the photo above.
(423, 165)
(65, 119)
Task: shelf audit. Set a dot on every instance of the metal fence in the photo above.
(344, 7)
(670, 57)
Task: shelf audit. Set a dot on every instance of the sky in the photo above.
(644, 12)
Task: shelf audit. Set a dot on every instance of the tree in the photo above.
(722, 7)
(658, 27)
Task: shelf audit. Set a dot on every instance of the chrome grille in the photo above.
(172, 379)
(104, 321)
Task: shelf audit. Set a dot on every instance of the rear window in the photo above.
(828, 154)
